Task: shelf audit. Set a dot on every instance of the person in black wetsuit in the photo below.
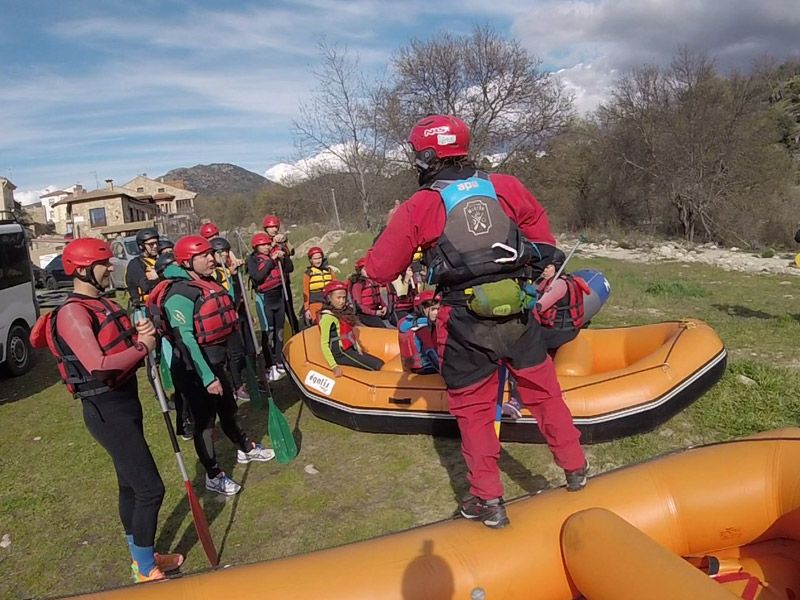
(98, 352)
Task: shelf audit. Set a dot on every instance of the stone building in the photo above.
(106, 213)
(7, 190)
(171, 196)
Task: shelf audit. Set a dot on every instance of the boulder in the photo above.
(326, 242)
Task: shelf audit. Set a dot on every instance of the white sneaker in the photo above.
(257, 454)
(275, 374)
(222, 484)
(242, 394)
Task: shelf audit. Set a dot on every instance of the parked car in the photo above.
(123, 249)
(55, 277)
(39, 275)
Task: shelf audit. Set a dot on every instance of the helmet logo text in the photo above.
(436, 130)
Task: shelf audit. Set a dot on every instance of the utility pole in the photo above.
(336, 210)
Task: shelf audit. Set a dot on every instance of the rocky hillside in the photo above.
(219, 179)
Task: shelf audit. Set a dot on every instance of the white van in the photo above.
(18, 307)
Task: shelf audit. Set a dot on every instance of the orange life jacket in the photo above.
(318, 278)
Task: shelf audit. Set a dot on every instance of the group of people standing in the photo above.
(185, 296)
(479, 236)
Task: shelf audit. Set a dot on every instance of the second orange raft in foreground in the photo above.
(734, 506)
(617, 382)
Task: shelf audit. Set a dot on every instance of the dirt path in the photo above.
(729, 259)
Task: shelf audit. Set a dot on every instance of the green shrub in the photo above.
(676, 289)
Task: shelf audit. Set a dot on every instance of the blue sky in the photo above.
(96, 90)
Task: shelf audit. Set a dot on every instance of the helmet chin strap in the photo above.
(90, 278)
(427, 165)
(190, 269)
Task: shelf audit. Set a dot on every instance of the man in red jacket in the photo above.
(481, 233)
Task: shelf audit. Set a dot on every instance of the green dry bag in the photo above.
(497, 299)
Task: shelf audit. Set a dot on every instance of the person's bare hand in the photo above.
(215, 387)
(149, 341)
(280, 238)
(145, 327)
(151, 274)
(337, 371)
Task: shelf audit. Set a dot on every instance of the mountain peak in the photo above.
(218, 179)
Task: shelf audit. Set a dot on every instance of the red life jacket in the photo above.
(370, 297)
(346, 337)
(567, 313)
(273, 279)
(410, 351)
(404, 302)
(114, 333)
(214, 317)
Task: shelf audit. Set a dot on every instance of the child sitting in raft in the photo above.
(560, 307)
(373, 301)
(417, 335)
(337, 321)
(316, 277)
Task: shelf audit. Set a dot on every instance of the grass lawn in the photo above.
(58, 501)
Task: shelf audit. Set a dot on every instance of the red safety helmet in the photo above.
(438, 136)
(271, 221)
(260, 238)
(333, 286)
(361, 262)
(209, 230)
(426, 296)
(84, 252)
(190, 246)
(315, 250)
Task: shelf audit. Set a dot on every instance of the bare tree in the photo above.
(341, 122)
(493, 84)
(693, 138)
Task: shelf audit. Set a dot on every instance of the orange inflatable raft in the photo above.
(617, 382)
(717, 522)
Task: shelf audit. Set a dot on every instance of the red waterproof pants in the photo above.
(470, 349)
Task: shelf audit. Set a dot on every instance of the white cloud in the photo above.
(589, 44)
(291, 173)
(589, 85)
(26, 197)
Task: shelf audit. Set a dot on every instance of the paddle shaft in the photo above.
(278, 428)
(198, 516)
(581, 239)
(501, 384)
